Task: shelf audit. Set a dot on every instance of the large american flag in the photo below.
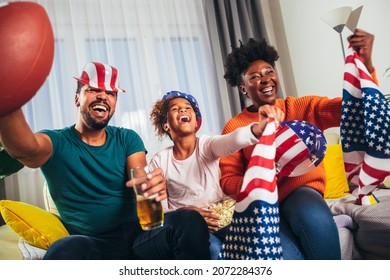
(254, 230)
(364, 129)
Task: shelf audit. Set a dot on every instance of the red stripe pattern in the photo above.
(101, 76)
(301, 146)
(254, 230)
(364, 129)
(294, 149)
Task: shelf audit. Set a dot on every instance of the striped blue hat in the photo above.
(191, 99)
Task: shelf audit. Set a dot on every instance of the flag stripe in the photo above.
(302, 167)
(268, 191)
(252, 181)
(370, 171)
(271, 197)
(286, 139)
(262, 161)
(364, 128)
(354, 81)
(249, 236)
(295, 155)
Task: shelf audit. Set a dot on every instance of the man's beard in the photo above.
(93, 123)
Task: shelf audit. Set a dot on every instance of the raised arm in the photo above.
(224, 145)
(362, 42)
(33, 150)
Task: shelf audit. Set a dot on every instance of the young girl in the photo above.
(191, 164)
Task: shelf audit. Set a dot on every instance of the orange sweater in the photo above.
(320, 111)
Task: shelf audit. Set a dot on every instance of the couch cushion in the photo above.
(38, 227)
(9, 244)
(336, 180)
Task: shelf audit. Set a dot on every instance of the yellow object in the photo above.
(386, 182)
(337, 184)
(36, 226)
(369, 200)
(224, 209)
(332, 138)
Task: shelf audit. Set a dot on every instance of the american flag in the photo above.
(300, 147)
(364, 129)
(254, 230)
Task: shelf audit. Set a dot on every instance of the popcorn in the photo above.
(224, 209)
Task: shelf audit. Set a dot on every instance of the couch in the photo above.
(9, 244)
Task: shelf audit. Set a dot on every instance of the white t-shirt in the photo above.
(194, 181)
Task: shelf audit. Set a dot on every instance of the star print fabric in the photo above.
(364, 129)
(254, 230)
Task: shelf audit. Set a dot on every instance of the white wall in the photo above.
(314, 48)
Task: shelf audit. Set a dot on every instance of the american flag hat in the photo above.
(191, 99)
(101, 76)
(300, 147)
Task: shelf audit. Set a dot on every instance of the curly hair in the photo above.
(159, 116)
(240, 58)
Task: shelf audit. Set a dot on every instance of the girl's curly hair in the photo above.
(159, 116)
(240, 58)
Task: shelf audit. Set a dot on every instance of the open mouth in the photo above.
(99, 108)
(267, 90)
(185, 119)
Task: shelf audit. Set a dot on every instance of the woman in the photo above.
(307, 228)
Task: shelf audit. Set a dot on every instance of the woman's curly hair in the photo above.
(240, 58)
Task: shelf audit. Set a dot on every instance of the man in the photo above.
(86, 166)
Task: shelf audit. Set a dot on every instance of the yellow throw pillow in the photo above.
(337, 183)
(332, 138)
(36, 226)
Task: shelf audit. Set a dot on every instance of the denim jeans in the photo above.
(216, 240)
(215, 246)
(183, 236)
(307, 228)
